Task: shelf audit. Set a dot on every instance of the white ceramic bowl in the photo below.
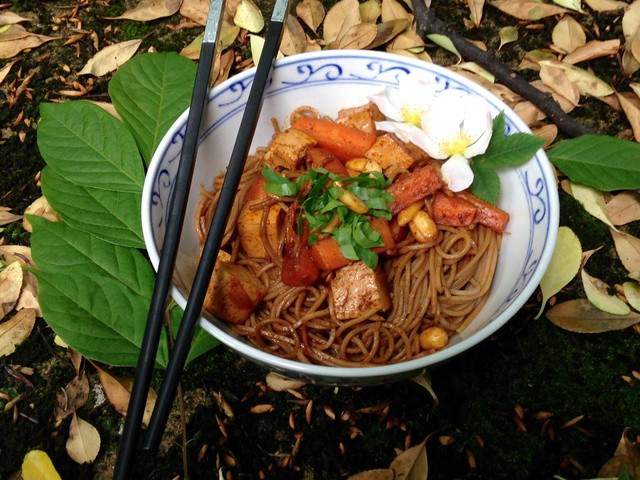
(329, 81)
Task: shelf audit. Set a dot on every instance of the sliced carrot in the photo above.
(488, 215)
(414, 186)
(327, 255)
(298, 267)
(399, 233)
(343, 141)
(321, 158)
(381, 226)
(453, 211)
(256, 192)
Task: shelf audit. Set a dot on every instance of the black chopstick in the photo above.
(177, 207)
(216, 229)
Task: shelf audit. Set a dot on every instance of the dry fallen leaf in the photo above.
(557, 80)
(572, 4)
(587, 82)
(150, 10)
(592, 201)
(226, 62)
(629, 63)
(392, 10)
(625, 461)
(528, 112)
(15, 330)
(256, 43)
(408, 39)
(37, 465)
(597, 293)
(16, 39)
(10, 283)
(581, 317)
(624, 208)
(507, 35)
(118, 391)
(628, 248)
(412, 463)
(40, 208)
(311, 12)
(377, 474)
(107, 107)
(532, 59)
(195, 10)
(631, 20)
(387, 31)
(71, 398)
(370, 11)
(605, 5)
(110, 58)
(593, 49)
(29, 295)
(340, 18)
(4, 71)
(477, 69)
(294, 39)
(476, 7)
(568, 34)
(631, 106)
(357, 37)
(7, 217)
(279, 383)
(547, 132)
(9, 18)
(83, 443)
(527, 9)
(249, 16)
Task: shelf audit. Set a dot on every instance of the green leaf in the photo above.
(149, 92)
(95, 314)
(599, 161)
(110, 215)
(508, 150)
(278, 184)
(202, 341)
(486, 183)
(57, 247)
(89, 147)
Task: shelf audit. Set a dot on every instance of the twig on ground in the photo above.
(427, 23)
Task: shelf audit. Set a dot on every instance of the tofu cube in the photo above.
(362, 118)
(387, 153)
(288, 148)
(356, 289)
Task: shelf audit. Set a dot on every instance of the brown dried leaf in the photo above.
(629, 63)
(357, 37)
(110, 58)
(558, 81)
(10, 283)
(370, 11)
(407, 40)
(10, 47)
(548, 133)
(631, 106)
(192, 51)
(387, 31)
(12, 32)
(150, 10)
(527, 9)
(631, 20)
(624, 208)
(71, 398)
(41, 208)
(195, 10)
(294, 40)
(226, 62)
(568, 34)
(340, 18)
(29, 295)
(392, 10)
(605, 5)
(626, 459)
(7, 217)
(311, 12)
(593, 49)
(633, 44)
(508, 35)
(532, 59)
(476, 7)
(628, 248)
(118, 391)
(412, 463)
(107, 107)
(528, 112)
(15, 330)
(587, 82)
(581, 317)
(377, 474)
(279, 383)
(83, 443)
(4, 71)
(10, 18)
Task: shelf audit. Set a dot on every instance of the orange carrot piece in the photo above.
(321, 158)
(327, 255)
(453, 211)
(414, 186)
(488, 215)
(381, 226)
(343, 141)
(399, 233)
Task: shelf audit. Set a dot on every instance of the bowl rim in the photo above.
(341, 373)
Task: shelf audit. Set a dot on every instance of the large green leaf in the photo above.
(59, 247)
(599, 161)
(89, 147)
(97, 315)
(110, 215)
(486, 183)
(149, 92)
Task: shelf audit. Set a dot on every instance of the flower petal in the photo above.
(386, 105)
(477, 124)
(457, 173)
(442, 122)
(412, 134)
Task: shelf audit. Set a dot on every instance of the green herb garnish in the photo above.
(322, 205)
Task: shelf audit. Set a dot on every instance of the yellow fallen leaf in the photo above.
(110, 58)
(507, 35)
(38, 466)
(312, 12)
(249, 16)
(83, 443)
(628, 248)
(581, 317)
(587, 82)
(597, 293)
(195, 10)
(631, 292)
(118, 392)
(631, 107)
(294, 40)
(564, 265)
(40, 208)
(568, 34)
(476, 7)
(150, 10)
(60, 342)
(256, 43)
(631, 20)
(477, 69)
(370, 11)
(340, 18)
(571, 4)
(558, 81)
(624, 208)
(444, 42)
(527, 9)
(358, 37)
(593, 49)
(10, 282)
(15, 330)
(592, 201)
(605, 5)
(9, 18)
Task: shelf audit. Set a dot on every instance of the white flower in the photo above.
(454, 125)
(407, 103)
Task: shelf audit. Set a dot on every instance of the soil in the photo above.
(502, 407)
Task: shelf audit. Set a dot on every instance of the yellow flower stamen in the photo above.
(456, 146)
(412, 115)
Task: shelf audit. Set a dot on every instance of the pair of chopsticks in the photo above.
(177, 208)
